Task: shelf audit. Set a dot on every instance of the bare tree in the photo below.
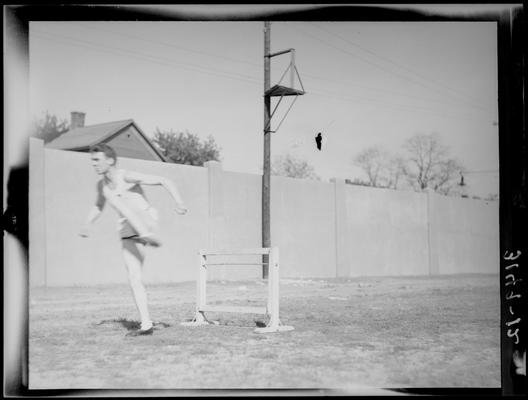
(394, 170)
(382, 169)
(371, 161)
(430, 166)
(49, 127)
(289, 166)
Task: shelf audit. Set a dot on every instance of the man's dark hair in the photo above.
(106, 149)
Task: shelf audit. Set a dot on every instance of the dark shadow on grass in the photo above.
(130, 325)
(242, 324)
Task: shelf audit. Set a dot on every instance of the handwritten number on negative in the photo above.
(511, 256)
(514, 334)
(513, 280)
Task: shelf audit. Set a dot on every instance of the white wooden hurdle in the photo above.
(272, 306)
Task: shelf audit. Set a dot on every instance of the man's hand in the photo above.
(84, 231)
(181, 209)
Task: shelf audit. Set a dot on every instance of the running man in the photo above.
(138, 220)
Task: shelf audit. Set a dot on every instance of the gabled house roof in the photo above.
(80, 139)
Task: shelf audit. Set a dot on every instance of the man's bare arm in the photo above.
(94, 212)
(144, 179)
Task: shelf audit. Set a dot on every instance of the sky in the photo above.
(366, 83)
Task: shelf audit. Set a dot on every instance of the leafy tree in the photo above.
(49, 127)
(289, 166)
(186, 148)
(429, 165)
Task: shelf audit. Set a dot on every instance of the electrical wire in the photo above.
(385, 91)
(213, 55)
(136, 37)
(390, 71)
(142, 56)
(361, 99)
(428, 80)
(82, 25)
(196, 68)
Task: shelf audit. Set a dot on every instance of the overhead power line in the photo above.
(236, 60)
(208, 54)
(390, 71)
(142, 56)
(414, 108)
(427, 79)
(159, 42)
(390, 92)
(167, 62)
(163, 62)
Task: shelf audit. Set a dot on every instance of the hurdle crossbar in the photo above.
(272, 306)
(238, 252)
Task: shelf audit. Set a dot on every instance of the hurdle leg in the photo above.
(199, 316)
(274, 267)
(269, 305)
(274, 324)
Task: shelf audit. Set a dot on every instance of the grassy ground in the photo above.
(380, 332)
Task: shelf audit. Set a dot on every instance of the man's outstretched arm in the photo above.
(94, 212)
(144, 179)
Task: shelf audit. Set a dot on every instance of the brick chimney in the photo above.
(77, 120)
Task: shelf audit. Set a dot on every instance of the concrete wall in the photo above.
(386, 232)
(303, 226)
(464, 235)
(323, 230)
(234, 210)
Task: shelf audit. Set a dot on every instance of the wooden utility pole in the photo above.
(266, 217)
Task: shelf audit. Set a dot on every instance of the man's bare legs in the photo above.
(134, 256)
